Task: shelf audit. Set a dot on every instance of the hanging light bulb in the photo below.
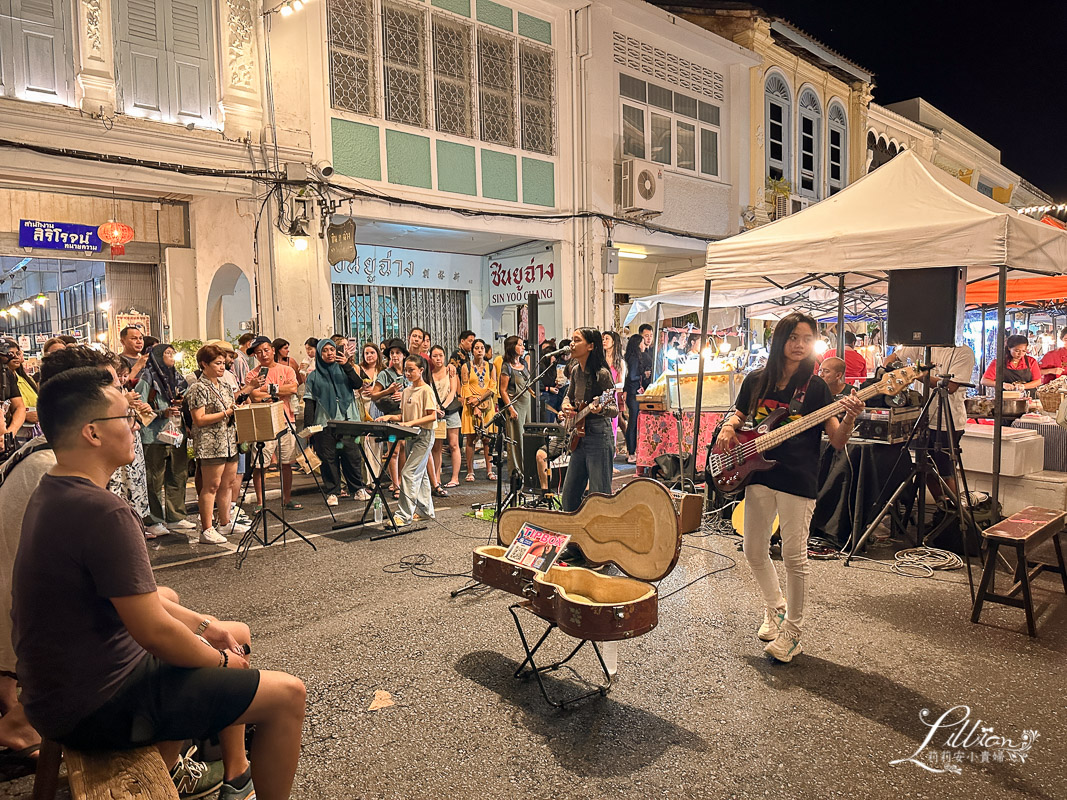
(286, 9)
(298, 4)
(26, 305)
(41, 299)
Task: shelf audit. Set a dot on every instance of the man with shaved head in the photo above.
(832, 371)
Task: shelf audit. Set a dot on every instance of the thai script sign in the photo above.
(512, 279)
(59, 236)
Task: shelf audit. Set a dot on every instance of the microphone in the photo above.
(555, 353)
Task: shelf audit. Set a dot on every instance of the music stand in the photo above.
(262, 516)
(377, 490)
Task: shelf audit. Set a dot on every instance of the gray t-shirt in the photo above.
(81, 545)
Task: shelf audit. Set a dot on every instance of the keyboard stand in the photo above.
(377, 490)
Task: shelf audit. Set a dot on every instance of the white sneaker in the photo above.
(785, 646)
(238, 529)
(331, 500)
(211, 536)
(362, 494)
(159, 529)
(182, 525)
(772, 623)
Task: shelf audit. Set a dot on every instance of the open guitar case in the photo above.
(636, 530)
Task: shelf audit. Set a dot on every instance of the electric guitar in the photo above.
(575, 426)
(732, 469)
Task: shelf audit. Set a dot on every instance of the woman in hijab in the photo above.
(165, 455)
(328, 394)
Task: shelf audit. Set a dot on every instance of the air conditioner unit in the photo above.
(781, 206)
(798, 204)
(642, 186)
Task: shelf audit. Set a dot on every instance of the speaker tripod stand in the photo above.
(917, 480)
(262, 517)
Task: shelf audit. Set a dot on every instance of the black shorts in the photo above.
(942, 458)
(162, 703)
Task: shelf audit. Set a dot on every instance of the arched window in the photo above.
(810, 145)
(837, 148)
(777, 113)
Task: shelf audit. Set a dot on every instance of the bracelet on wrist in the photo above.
(202, 626)
(222, 658)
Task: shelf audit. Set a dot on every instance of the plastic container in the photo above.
(1021, 451)
(377, 510)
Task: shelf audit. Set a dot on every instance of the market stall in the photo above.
(907, 214)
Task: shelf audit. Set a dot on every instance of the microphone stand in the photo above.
(498, 420)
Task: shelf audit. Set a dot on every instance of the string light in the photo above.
(286, 10)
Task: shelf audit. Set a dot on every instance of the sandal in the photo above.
(292, 506)
(438, 491)
(452, 485)
(490, 477)
(26, 757)
(470, 477)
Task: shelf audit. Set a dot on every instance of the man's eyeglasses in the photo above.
(131, 417)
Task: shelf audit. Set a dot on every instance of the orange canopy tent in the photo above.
(984, 293)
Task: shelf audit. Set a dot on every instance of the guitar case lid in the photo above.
(635, 529)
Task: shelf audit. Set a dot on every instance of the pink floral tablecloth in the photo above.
(657, 434)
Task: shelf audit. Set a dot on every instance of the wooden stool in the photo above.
(118, 775)
(1023, 530)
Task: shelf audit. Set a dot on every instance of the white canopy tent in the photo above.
(907, 214)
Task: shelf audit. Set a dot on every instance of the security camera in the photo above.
(324, 169)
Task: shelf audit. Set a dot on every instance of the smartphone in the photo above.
(263, 372)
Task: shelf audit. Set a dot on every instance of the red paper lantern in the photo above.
(115, 234)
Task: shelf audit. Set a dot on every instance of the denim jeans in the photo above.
(590, 463)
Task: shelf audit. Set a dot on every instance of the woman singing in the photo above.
(590, 380)
(788, 489)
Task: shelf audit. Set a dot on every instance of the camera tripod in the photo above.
(916, 481)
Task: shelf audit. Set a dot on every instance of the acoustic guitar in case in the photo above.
(636, 530)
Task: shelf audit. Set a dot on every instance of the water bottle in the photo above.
(377, 510)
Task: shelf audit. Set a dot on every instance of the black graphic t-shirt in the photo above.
(797, 470)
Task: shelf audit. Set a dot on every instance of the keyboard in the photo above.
(379, 430)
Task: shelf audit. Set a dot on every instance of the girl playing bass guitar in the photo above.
(788, 489)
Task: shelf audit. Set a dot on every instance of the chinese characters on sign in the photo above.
(59, 236)
(512, 279)
(341, 241)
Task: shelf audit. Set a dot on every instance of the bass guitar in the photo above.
(732, 469)
(575, 426)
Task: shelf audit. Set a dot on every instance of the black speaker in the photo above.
(925, 306)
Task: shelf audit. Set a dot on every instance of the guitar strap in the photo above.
(797, 402)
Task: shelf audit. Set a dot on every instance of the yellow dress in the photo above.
(477, 383)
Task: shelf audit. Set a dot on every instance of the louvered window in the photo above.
(836, 148)
(165, 60)
(536, 91)
(777, 120)
(404, 54)
(453, 73)
(810, 144)
(352, 66)
(36, 52)
(496, 88)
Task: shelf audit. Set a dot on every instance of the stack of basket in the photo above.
(1051, 394)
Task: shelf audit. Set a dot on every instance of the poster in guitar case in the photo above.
(536, 548)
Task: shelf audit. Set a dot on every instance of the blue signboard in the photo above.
(59, 236)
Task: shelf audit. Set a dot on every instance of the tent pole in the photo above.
(841, 315)
(655, 351)
(998, 401)
(981, 346)
(700, 387)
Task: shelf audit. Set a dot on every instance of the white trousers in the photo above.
(794, 514)
(415, 497)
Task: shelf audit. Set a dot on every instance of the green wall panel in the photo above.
(407, 157)
(455, 6)
(535, 28)
(495, 14)
(455, 168)
(356, 149)
(538, 182)
(499, 176)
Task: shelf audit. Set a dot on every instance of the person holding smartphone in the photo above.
(386, 394)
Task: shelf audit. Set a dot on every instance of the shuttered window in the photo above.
(165, 60)
(36, 54)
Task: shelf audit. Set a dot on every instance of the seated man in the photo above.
(832, 371)
(553, 448)
(104, 661)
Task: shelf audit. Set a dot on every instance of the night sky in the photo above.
(995, 67)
